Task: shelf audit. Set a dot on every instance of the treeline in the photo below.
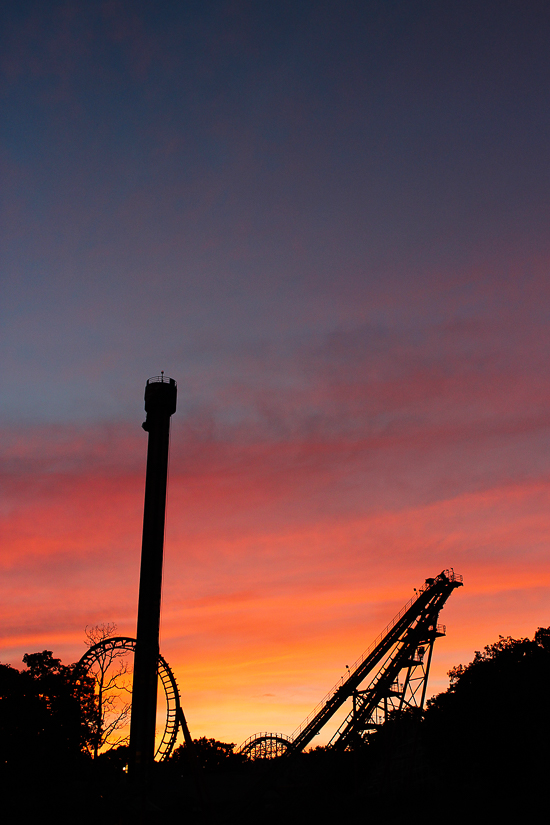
(46, 721)
(480, 748)
(481, 744)
(493, 722)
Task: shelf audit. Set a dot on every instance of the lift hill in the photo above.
(397, 665)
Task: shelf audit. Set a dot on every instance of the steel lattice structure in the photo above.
(266, 745)
(174, 712)
(396, 665)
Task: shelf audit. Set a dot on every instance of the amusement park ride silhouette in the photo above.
(392, 674)
(388, 679)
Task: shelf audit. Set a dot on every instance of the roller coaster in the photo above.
(101, 654)
(392, 674)
(390, 677)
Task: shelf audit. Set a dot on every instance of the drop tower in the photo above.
(160, 404)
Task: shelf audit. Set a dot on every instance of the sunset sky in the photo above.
(329, 222)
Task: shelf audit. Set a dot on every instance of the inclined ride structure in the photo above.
(390, 677)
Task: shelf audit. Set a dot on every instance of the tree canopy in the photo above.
(210, 754)
(493, 721)
(480, 744)
(44, 718)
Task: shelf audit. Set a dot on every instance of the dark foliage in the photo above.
(45, 721)
(493, 720)
(209, 755)
(480, 749)
(483, 741)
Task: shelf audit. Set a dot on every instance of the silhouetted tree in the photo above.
(493, 722)
(209, 755)
(113, 690)
(44, 718)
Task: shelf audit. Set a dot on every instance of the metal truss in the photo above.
(399, 685)
(396, 665)
(266, 745)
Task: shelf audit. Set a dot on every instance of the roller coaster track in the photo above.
(174, 711)
(406, 644)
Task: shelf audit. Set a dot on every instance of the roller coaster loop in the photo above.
(174, 712)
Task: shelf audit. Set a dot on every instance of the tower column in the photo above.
(160, 404)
